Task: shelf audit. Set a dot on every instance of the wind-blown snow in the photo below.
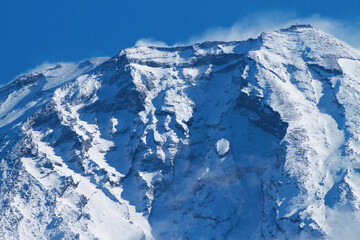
(253, 139)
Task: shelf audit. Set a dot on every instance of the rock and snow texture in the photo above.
(257, 139)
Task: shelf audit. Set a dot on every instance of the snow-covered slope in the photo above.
(255, 139)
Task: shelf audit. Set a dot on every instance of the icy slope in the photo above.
(256, 139)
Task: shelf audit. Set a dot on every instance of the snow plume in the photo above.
(46, 65)
(150, 42)
(252, 25)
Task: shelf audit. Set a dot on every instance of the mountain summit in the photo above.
(255, 139)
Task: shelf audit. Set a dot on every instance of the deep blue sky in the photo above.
(36, 31)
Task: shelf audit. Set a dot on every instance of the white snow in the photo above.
(222, 147)
(140, 148)
(350, 67)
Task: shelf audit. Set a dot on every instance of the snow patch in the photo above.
(222, 147)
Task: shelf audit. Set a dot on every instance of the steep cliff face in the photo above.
(257, 139)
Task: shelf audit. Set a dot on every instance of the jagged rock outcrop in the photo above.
(255, 139)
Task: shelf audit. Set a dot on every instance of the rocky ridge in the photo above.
(255, 139)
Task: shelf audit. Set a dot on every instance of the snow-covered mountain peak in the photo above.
(253, 139)
(299, 27)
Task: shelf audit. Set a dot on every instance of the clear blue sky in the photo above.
(36, 31)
